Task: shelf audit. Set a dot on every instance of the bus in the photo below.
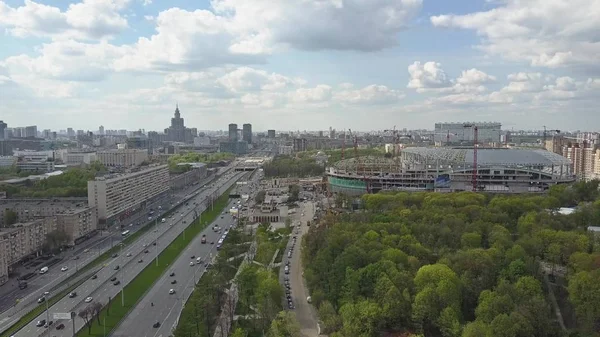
(125, 233)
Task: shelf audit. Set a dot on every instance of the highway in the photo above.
(54, 279)
(101, 288)
(167, 307)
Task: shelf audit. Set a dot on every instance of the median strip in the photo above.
(113, 312)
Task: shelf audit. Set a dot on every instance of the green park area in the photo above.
(458, 265)
(111, 314)
(72, 183)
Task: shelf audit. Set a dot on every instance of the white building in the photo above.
(122, 158)
(118, 193)
(79, 158)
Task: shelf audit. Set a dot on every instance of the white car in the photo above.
(65, 268)
(192, 263)
(88, 299)
(171, 291)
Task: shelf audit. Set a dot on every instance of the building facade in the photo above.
(247, 133)
(79, 158)
(462, 133)
(115, 194)
(79, 223)
(125, 158)
(233, 132)
(270, 133)
(177, 132)
(3, 127)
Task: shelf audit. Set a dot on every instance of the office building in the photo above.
(30, 132)
(101, 130)
(237, 148)
(462, 133)
(3, 127)
(115, 194)
(124, 158)
(79, 158)
(70, 132)
(233, 133)
(300, 144)
(247, 133)
(270, 133)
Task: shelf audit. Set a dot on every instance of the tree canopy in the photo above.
(194, 157)
(459, 264)
(286, 166)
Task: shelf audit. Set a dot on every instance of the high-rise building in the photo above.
(233, 132)
(70, 132)
(177, 132)
(3, 127)
(101, 130)
(270, 133)
(247, 133)
(31, 131)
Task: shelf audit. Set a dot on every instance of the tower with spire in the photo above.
(177, 132)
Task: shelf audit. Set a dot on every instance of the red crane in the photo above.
(475, 141)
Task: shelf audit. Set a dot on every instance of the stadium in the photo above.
(445, 169)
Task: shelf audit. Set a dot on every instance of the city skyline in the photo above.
(409, 62)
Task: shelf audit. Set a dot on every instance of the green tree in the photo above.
(584, 293)
(294, 192)
(285, 325)
(10, 217)
(259, 198)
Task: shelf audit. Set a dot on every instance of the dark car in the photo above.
(174, 282)
(114, 278)
(172, 274)
(140, 261)
(115, 255)
(60, 326)
(146, 251)
(193, 257)
(117, 282)
(73, 294)
(94, 277)
(41, 322)
(117, 267)
(156, 325)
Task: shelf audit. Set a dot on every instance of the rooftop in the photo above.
(490, 156)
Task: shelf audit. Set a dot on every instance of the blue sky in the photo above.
(299, 64)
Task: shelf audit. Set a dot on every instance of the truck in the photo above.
(44, 270)
(203, 238)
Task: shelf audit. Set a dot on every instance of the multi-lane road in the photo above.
(86, 253)
(167, 307)
(101, 288)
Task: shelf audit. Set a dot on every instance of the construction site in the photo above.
(450, 169)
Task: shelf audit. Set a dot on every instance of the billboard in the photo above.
(61, 315)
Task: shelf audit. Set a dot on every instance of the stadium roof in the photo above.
(491, 156)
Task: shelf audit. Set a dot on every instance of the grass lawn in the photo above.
(33, 313)
(135, 290)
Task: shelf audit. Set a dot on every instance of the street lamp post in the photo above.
(47, 312)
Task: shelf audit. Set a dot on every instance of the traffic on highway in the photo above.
(117, 272)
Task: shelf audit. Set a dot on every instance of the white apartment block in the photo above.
(79, 158)
(122, 158)
(77, 223)
(35, 155)
(114, 194)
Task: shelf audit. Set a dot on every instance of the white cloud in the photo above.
(430, 77)
(546, 33)
(372, 94)
(90, 19)
(146, 2)
(427, 76)
(319, 24)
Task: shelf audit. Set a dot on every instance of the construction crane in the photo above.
(546, 134)
(343, 144)
(475, 140)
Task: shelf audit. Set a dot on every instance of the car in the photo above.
(65, 268)
(193, 257)
(174, 282)
(116, 267)
(94, 277)
(117, 282)
(76, 257)
(60, 326)
(128, 254)
(154, 243)
(113, 279)
(156, 325)
(41, 300)
(146, 251)
(192, 263)
(73, 294)
(172, 274)
(140, 261)
(40, 323)
(171, 291)
(115, 255)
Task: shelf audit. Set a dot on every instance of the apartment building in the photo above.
(122, 158)
(115, 194)
(78, 223)
(32, 209)
(3, 261)
(7, 161)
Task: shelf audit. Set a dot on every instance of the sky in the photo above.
(300, 64)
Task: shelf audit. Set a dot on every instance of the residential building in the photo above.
(4, 261)
(285, 150)
(78, 223)
(247, 133)
(233, 133)
(31, 131)
(31, 209)
(115, 194)
(300, 144)
(124, 158)
(25, 239)
(79, 158)
(270, 133)
(190, 177)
